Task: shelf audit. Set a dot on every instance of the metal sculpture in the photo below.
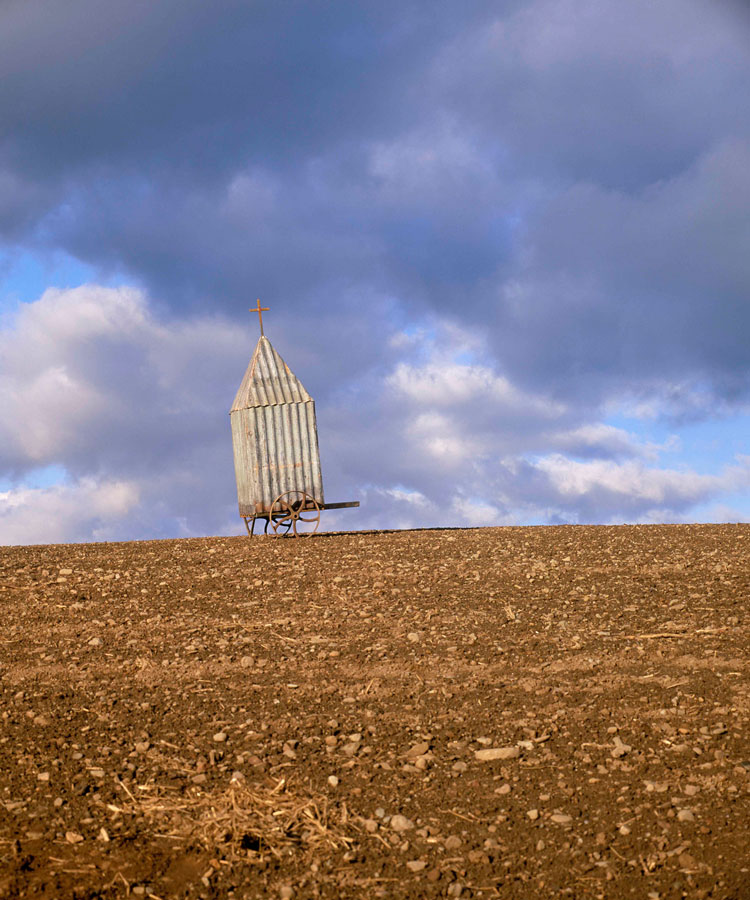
(275, 442)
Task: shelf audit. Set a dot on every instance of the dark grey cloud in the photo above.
(639, 292)
(571, 175)
(182, 84)
(614, 93)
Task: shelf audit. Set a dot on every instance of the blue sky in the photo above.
(505, 247)
(704, 447)
(25, 275)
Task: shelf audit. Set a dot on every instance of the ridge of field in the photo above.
(502, 712)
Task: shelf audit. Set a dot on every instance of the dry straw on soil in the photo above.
(246, 821)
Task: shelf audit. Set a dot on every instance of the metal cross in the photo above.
(260, 310)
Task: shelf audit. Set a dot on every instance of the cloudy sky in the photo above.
(506, 247)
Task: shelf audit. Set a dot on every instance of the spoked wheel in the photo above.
(296, 511)
(277, 526)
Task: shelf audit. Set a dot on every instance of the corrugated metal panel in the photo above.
(268, 381)
(274, 434)
(275, 450)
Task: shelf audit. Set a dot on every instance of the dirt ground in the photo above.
(510, 712)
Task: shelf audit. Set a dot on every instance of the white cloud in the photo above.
(636, 483)
(442, 383)
(601, 439)
(87, 373)
(94, 383)
(724, 512)
(434, 434)
(86, 510)
(133, 408)
(479, 514)
(401, 495)
(477, 449)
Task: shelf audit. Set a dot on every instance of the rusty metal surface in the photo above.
(274, 434)
(294, 512)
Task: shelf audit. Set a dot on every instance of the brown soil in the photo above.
(229, 717)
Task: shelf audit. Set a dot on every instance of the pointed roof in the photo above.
(268, 381)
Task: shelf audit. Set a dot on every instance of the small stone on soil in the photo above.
(621, 749)
(561, 819)
(401, 823)
(418, 750)
(492, 753)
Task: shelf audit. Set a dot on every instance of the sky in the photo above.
(505, 246)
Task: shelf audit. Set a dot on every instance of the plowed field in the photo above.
(514, 712)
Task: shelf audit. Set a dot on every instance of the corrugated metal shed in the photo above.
(274, 434)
